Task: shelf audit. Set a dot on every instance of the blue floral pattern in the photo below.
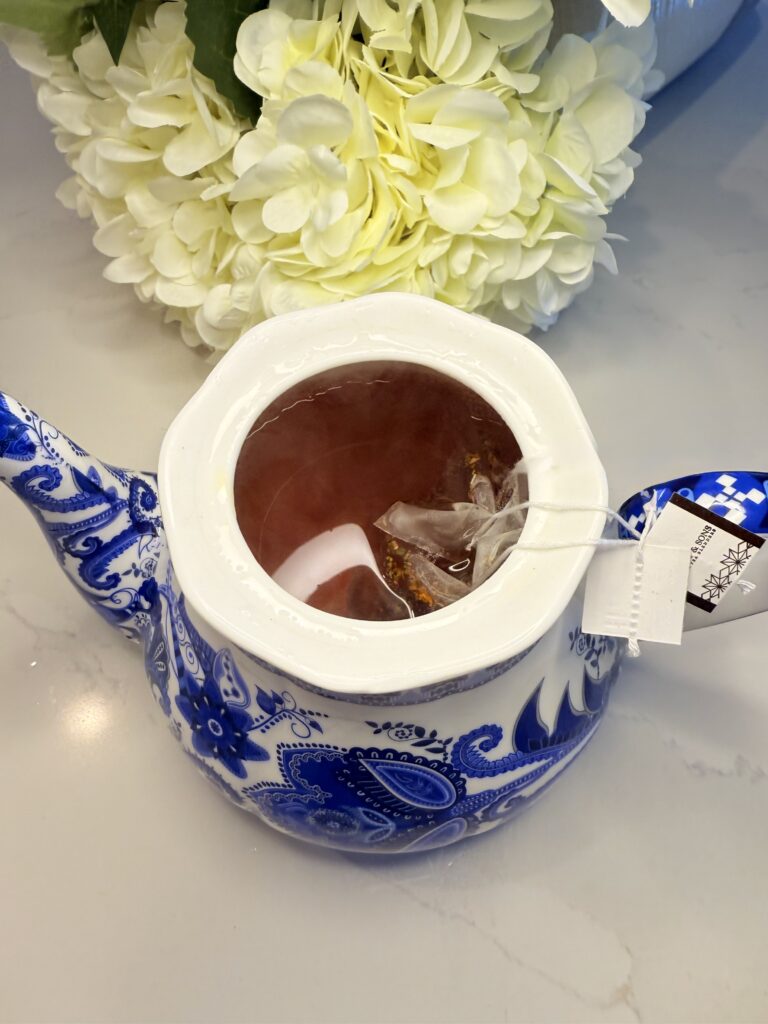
(322, 773)
(96, 518)
(219, 727)
(392, 799)
(591, 648)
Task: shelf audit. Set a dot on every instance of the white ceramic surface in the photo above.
(685, 29)
(229, 589)
(636, 890)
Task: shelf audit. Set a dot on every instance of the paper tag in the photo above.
(720, 550)
(637, 592)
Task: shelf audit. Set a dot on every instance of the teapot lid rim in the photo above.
(504, 617)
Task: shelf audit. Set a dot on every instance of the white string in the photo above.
(599, 542)
(638, 541)
(652, 511)
(554, 506)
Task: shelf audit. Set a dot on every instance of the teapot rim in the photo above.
(225, 585)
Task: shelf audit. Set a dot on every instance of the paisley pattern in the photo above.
(258, 745)
(391, 799)
(103, 523)
(307, 763)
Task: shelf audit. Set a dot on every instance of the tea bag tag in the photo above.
(720, 549)
(637, 591)
(687, 555)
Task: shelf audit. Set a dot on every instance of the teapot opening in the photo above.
(366, 490)
(226, 586)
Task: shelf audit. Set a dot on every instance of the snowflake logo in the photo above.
(736, 558)
(715, 585)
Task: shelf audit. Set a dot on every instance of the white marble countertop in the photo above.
(637, 890)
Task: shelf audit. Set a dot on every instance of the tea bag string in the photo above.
(638, 540)
(554, 506)
(744, 585)
(651, 514)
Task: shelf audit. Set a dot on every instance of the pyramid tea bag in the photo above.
(442, 555)
(374, 491)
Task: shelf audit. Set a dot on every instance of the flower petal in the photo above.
(128, 269)
(287, 211)
(69, 109)
(124, 152)
(192, 149)
(456, 209)
(248, 223)
(174, 293)
(282, 167)
(608, 118)
(574, 60)
(629, 12)
(315, 121)
(115, 238)
(170, 257)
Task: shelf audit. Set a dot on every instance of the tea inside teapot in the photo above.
(370, 490)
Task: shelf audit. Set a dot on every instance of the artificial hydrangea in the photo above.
(428, 146)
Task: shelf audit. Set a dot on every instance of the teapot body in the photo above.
(406, 770)
(366, 736)
(400, 772)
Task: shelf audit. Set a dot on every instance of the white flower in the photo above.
(462, 137)
(470, 194)
(150, 142)
(455, 40)
(271, 42)
(629, 12)
(429, 146)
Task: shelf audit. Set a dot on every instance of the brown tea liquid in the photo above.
(327, 458)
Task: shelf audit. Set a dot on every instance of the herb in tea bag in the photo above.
(436, 556)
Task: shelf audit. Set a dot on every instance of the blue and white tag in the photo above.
(721, 550)
(687, 558)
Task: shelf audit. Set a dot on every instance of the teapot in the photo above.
(377, 737)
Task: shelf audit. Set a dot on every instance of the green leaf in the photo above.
(61, 23)
(113, 18)
(212, 26)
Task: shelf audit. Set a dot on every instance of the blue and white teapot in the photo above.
(368, 736)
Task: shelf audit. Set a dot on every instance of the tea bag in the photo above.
(502, 528)
(438, 556)
(445, 534)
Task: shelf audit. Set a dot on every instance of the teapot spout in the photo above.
(103, 523)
